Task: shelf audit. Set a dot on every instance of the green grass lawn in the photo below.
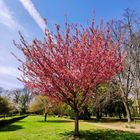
(34, 128)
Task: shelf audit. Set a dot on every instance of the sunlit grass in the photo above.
(34, 128)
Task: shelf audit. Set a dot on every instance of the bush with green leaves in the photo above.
(4, 105)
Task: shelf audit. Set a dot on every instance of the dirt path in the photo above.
(117, 126)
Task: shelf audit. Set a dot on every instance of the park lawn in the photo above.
(34, 128)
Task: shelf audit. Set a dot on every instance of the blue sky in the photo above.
(27, 16)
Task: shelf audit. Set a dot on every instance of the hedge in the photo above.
(4, 123)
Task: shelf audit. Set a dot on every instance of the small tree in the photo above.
(68, 66)
(4, 106)
(41, 104)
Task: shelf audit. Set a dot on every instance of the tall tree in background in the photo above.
(25, 99)
(21, 99)
(67, 66)
(129, 80)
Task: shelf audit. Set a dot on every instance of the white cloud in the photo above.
(7, 18)
(13, 84)
(11, 71)
(8, 77)
(29, 6)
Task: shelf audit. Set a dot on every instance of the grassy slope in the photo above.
(34, 128)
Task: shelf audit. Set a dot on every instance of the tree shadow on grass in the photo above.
(4, 123)
(21, 121)
(56, 121)
(101, 135)
(11, 128)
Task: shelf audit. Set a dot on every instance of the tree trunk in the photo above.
(120, 116)
(76, 130)
(137, 100)
(45, 117)
(127, 111)
(98, 114)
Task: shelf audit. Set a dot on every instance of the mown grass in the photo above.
(34, 128)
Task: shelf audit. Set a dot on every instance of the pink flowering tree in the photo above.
(67, 66)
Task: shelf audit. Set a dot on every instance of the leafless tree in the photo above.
(128, 27)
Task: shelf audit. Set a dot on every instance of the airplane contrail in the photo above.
(30, 7)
